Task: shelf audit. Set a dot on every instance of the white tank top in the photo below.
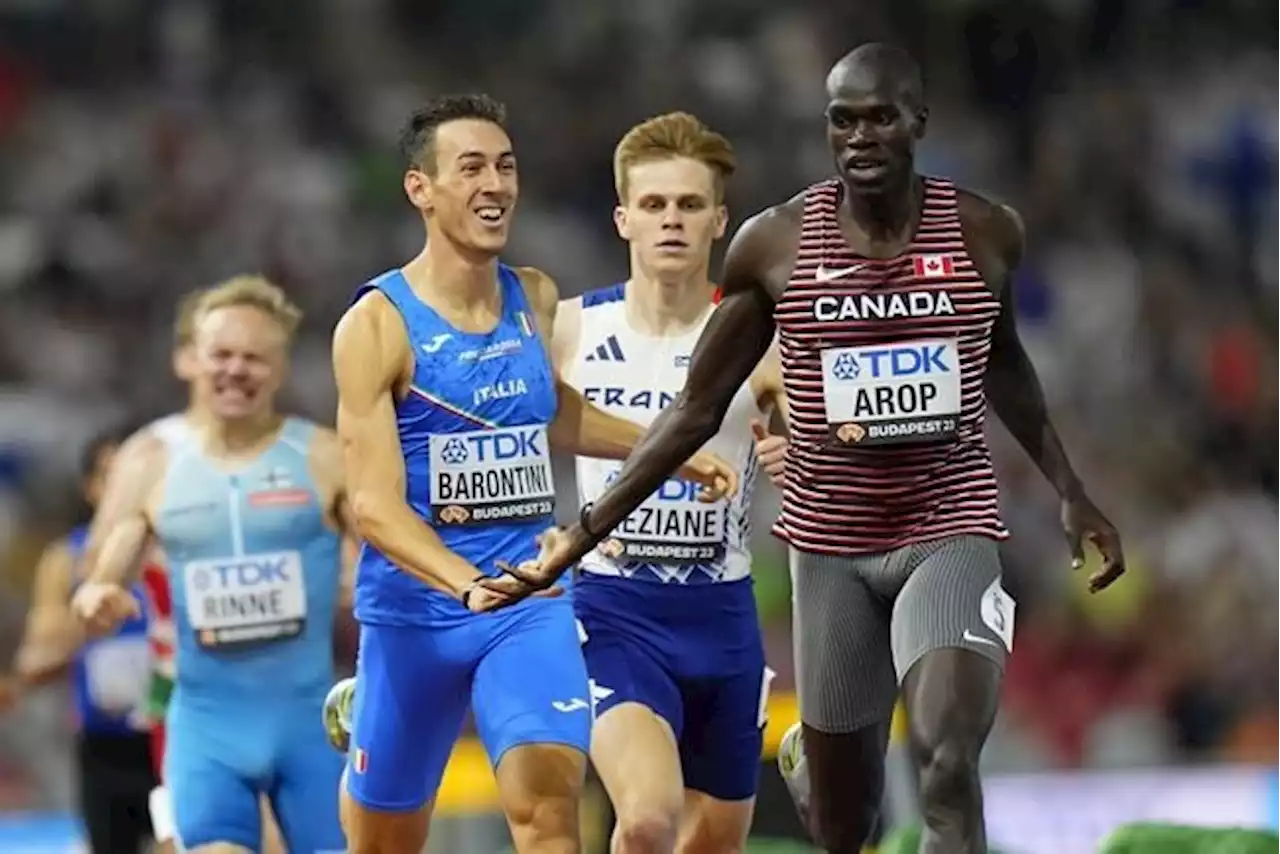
(671, 537)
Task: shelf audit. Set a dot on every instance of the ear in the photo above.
(722, 220)
(620, 222)
(417, 187)
(922, 122)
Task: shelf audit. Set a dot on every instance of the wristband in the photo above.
(582, 520)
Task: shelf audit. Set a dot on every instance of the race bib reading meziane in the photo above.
(889, 394)
(488, 476)
(251, 599)
(670, 527)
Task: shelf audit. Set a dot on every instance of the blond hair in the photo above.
(673, 135)
(255, 292)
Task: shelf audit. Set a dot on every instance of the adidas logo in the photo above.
(609, 351)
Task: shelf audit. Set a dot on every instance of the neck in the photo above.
(656, 306)
(886, 215)
(238, 436)
(454, 277)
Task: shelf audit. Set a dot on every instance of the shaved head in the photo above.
(877, 67)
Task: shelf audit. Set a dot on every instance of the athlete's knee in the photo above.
(540, 786)
(713, 826)
(948, 769)
(645, 828)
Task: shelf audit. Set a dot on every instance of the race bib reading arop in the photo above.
(489, 476)
(670, 527)
(249, 599)
(890, 394)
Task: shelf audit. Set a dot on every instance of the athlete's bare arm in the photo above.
(121, 531)
(372, 363)
(586, 430)
(766, 385)
(325, 463)
(51, 636)
(757, 267)
(995, 238)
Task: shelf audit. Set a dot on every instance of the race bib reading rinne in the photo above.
(251, 599)
(488, 476)
(889, 394)
(670, 527)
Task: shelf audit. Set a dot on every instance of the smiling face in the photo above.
(240, 356)
(671, 215)
(471, 196)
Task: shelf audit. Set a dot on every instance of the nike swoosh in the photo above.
(972, 638)
(824, 274)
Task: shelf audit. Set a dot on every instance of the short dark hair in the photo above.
(418, 138)
(112, 437)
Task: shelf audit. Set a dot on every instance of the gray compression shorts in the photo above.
(860, 623)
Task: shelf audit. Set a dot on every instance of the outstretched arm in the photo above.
(370, 350)
(735, 338)
(583, 428)
(51, 635)
(325, 462)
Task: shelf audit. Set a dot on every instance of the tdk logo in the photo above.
(889, 362)
(483, 448)
(246, 573)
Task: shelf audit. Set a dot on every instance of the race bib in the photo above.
(117, 673)
(889, 394)
(239, 601)
(670, 527)
(488, 476)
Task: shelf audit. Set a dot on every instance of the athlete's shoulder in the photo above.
(763, 250)
(543, 293)
(990, 226)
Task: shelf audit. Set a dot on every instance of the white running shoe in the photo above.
(337, 714)
(793, 767)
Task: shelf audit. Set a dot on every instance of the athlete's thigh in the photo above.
(411, 695)
(213, 801)
(531, 685)
(624, 667)
(305, 796)
(844, 663)
(953, 598)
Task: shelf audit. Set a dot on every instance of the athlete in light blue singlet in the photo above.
(448, 407)
(248, 513)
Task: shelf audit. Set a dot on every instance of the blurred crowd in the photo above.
(148, 148)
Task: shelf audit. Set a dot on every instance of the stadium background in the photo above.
(147, 148)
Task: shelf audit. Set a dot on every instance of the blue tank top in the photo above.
(473, 430)
(254, 570)
(109, 675)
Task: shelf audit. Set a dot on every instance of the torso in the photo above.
(672, 537)
(473, 430)
(254, 563)
(883, 364)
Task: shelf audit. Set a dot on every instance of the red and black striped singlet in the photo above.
(883, 364)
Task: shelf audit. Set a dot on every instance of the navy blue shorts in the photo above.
(520, 671)
(692, 654)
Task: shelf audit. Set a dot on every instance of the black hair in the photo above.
(112, 437)
(885, 61)
(418, 138)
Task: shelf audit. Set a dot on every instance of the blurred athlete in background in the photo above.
(248, 508)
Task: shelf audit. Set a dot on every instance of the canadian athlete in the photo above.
(673, 644)
(448, 407)
(248, 509)
(109, 681)
(891, 296)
